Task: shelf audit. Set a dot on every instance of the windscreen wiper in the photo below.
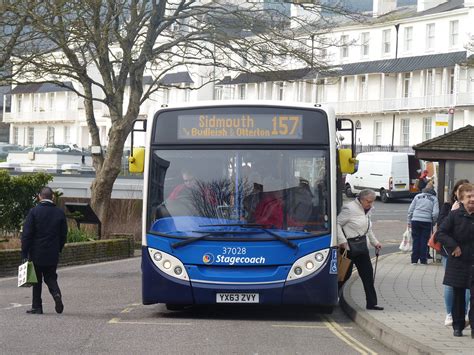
(260, 227)
(189, 241)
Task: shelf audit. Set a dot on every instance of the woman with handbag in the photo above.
(353, 229)
(452, 205)
(456, 234)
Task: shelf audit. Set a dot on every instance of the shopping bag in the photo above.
(343, 263)
(432, 243)
(26, 274)
(406, 244)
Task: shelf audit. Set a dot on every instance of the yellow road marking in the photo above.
(338, 331)
(119, 321)
(302, 326)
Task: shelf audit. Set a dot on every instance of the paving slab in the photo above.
(413, 319)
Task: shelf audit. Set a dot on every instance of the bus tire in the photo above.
(348, 191)
(175, 307)
(384, 196)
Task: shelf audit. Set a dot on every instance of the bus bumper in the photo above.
(318, 289)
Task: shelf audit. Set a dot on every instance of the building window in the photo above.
(187, 94)
(15, 135)
(365, 44)
(35, 102)
(281, 91)
(69, 101)
(344, 46)
(241, 91)
(343, 89)
(218, 92)
(451, 81)
(166, 96)
(323, 53)
(408, 38)
(405, 131)
(429, 82)
(30, 136)
(378, 132)
(386, 41)
(430, 36)
(50, 135)
(453, 33)
(363, 88)
(406, 84)
(427, 124)
(19, 100)
(51, 101)
(67, 134)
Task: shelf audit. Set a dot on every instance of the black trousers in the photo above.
(48, 273)
(366, 273)
(459, 307)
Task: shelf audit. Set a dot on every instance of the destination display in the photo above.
(240, 126)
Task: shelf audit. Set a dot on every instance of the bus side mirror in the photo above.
(346, 161)
(136, 161)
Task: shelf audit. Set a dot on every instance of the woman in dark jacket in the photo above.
(456, 233)
(453, 204)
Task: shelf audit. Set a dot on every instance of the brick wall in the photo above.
(75, 254)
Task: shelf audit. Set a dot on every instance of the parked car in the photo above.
(5, 148)
(390, 174)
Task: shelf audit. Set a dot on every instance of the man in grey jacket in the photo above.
(422, 215)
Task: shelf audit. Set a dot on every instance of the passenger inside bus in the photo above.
(183, 190)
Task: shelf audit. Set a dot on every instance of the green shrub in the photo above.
(17, 196)
(77, 236)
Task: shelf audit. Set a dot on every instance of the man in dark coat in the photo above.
(43, 238)
(456, 234)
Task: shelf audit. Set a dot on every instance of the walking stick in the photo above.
(376, 261)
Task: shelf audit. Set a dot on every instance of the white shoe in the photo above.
(467, 322)
(449, 320)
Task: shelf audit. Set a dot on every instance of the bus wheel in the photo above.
(175, 307)
(383, 196)
(348, 191)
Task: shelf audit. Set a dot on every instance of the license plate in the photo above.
(237, 298)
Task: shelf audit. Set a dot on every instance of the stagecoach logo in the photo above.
(208, 258)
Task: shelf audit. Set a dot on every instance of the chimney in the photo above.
(423, 5)
(381, 7)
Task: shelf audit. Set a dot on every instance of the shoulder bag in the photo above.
(358, 245)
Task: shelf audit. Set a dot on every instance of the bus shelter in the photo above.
(454, 152)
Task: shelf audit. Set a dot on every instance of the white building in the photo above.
(398, 73)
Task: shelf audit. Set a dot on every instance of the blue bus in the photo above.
(240, 204)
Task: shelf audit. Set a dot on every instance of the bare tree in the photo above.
(13, 34)
(107, 45)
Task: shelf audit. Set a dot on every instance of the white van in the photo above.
(389, 174)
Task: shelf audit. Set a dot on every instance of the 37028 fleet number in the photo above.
(234, 251)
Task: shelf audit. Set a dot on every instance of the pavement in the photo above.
(413, 319)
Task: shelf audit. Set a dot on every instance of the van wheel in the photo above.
(383, 196)
(348, 191)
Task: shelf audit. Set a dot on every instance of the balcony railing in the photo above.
(48, 116)
(402, 104)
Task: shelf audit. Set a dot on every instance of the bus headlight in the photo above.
(168, 264)
(307, 264)
(157, 256)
